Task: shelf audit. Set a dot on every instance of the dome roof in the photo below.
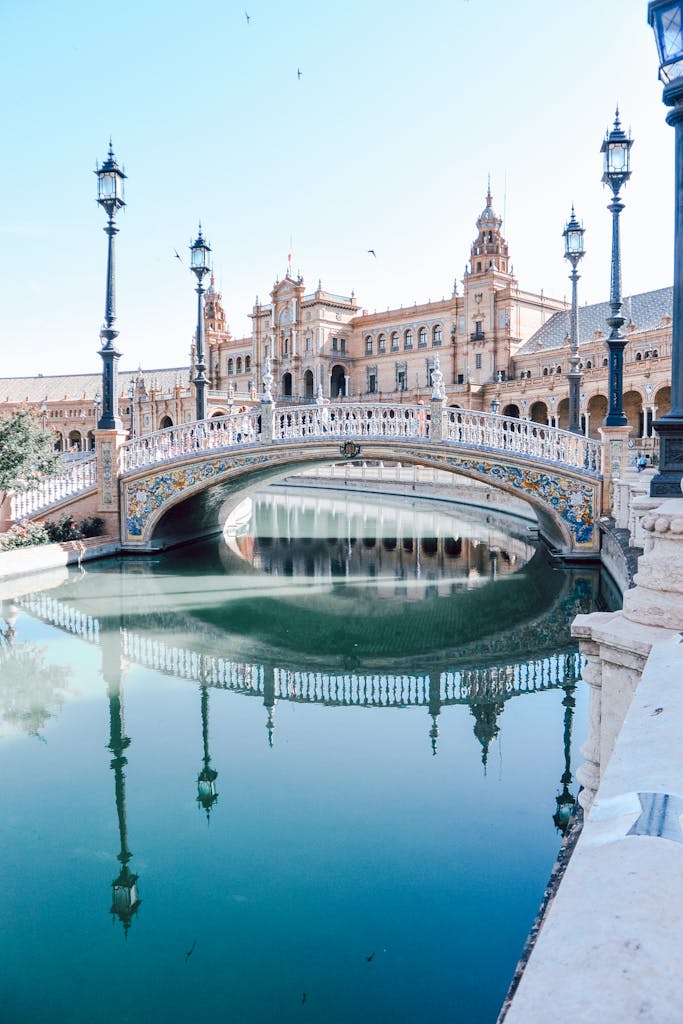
(488, 214)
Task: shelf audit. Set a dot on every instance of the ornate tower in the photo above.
(487, 302)
(217, 332)
(489, 249)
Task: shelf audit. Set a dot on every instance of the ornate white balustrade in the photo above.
(72, 478)
(523, 437)
(364, 420)
(351, 420)
(237, 428)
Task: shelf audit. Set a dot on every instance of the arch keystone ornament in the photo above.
(350, 450)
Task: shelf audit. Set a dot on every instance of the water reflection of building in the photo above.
(330, 538)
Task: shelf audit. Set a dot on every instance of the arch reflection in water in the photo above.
(286, 533)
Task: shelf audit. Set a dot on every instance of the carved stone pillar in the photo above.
(589, 772)
(436, 428)
(615, 461)
(107, 444)
(267, 422)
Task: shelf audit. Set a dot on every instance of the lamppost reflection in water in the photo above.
(565, 800)
(206, 780)
(125, 901)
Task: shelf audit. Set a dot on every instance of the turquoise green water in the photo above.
(309, 772)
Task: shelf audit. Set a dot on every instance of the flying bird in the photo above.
(247, 17)
(373, 253)
(177, 255)
(190, 951)
(299, 72)
(369, 958)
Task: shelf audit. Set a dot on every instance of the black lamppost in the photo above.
(666, 18)
(110, 180)
(573, 251)
(617, 149)
(199, 264)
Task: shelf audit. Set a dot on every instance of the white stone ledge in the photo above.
(40, 557)
(611, 948)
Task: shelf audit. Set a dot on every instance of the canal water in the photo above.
(316, 769)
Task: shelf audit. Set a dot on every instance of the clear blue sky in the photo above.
(385, 142)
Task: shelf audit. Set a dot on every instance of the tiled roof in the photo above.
(644, 311)
(78, 386)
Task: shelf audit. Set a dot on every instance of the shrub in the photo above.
(24, 535)
(92, 526)
(64, 529)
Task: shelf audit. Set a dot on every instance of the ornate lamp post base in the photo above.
(667, 483)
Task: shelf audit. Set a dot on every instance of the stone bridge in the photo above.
(181, 483)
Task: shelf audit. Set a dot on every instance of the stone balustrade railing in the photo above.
(365, 420)
(236, 428)
(523, 437)
(351, 420)
(72, 478)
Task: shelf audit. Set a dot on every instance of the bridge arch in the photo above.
(166, 505)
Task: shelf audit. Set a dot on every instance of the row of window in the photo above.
(401, 378)
(235, 366)
(408, 339)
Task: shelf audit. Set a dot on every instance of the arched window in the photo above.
(408, 339)
(247, 364)
(422, 337)
(605, 361)
(589, 365)
(436, 334)
(368, 345)
(545, 371)
(639, 356)
(231, 367)
(382, 343)
(394, 341)
(655, 354)
(558, 369)
(238, 365)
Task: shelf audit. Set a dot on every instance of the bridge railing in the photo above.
(71, 478)
(368, 420)
(523, 437)
(236, 428)
(351, 420)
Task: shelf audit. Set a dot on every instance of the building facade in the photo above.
(493, 342)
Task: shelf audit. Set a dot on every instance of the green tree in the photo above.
(26, 453)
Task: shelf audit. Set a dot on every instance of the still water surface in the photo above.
(311, 771)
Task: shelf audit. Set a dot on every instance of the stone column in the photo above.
(657, 599)
(615, 461)
(436, 428)
(267, 422)
(107, 445)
